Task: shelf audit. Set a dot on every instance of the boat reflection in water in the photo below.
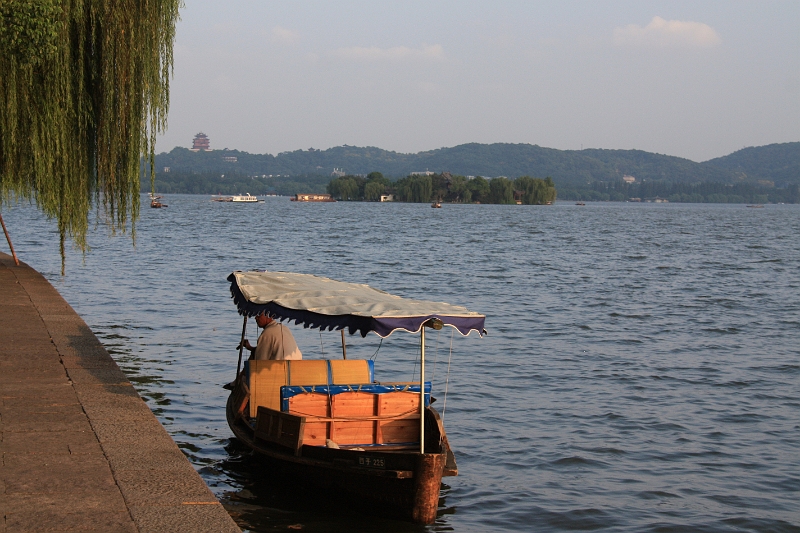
(328, 426)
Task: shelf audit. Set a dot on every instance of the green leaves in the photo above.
(28, 30)
(84, 86)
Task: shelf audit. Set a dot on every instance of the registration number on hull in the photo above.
(371, 462)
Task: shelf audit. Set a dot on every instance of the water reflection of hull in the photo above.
(406, 486)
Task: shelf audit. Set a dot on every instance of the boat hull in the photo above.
(399, 484)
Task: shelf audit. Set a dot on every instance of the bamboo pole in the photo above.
(8, 238)
(241, 348)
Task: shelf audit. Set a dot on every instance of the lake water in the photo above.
(641, 371)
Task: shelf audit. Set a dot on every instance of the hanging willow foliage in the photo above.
(84, 88)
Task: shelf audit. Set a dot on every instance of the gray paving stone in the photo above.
(79, 449)
(50, 442)
(77, 500)
(188, 518)
(40, 403)
(88, 360)
(92, 376)
(145, 458)
(156, 487)
(42, 474)
(144, 432)
(35, 389)
(88, 394)
(56, 520)
(46, 422)
(134, 410)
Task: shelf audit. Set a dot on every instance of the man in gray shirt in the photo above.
(276, 342)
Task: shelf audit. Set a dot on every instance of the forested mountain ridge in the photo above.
(775, 162)
(779, 163)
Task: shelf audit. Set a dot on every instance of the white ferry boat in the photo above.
(247, 198)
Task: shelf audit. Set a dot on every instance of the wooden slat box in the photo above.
(356, 415)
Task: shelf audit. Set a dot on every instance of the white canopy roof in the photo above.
(323, 302)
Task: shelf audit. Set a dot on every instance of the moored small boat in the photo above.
(329, 426)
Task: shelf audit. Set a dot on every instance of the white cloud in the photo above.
(284, 35)
(397, 53)
(667, 33)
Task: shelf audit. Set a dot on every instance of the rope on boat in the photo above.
(447, 380)
(375, 355)
(435, 356)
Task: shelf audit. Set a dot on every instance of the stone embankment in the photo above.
(79, 448)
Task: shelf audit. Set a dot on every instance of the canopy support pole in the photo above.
(344, 346)
(241, 348)
(422, 390)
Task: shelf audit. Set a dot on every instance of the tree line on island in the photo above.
(444, 187)
(414, 188)
(682, 192)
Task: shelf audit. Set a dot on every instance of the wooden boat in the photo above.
(327, 426)
(299, 197)
(154, 201)
(580, 203)
(756, 206)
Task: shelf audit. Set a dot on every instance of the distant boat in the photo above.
(312, 198)
(436, 204)
(580, 203)
(247, 198)
(755, 205)
(154, 201)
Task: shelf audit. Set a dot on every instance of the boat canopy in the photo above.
(318, 302)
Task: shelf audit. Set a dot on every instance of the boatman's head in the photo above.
(263, 320)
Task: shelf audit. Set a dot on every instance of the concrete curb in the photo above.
(81, 451)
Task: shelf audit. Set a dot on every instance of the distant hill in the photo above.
(779, 163)
(775, 162)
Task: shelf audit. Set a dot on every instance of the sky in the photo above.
(694, 79)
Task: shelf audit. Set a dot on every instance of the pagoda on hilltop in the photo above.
(201, 142)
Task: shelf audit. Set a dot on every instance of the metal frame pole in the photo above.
(8, 238)
(422, 390)
(344, 346)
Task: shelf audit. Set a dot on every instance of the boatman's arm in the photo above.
(247, 345)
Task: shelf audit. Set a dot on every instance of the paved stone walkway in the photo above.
(79, 449)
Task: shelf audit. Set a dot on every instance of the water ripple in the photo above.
(641, 371)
